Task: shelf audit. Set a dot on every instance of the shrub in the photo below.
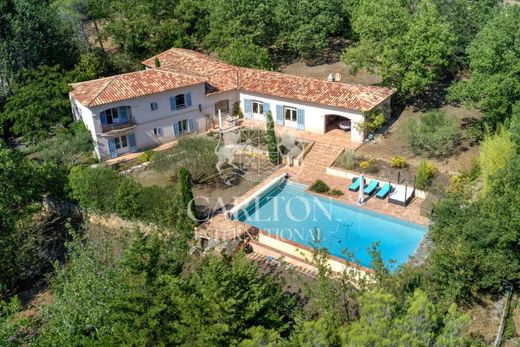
(271, 139)
(347, 160)
(372, 123)
(145, 156)
(495, 151)
(319, 187)
(335, 192)
(237, 112)
(197, 154)
(424, 174)
(186, 192)
(94, 188)
(69, 146)
(398, 162)
(434, 134)
(127, 198)
(368, 166)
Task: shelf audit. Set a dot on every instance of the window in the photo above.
(157, 131)
(180, 101)
(258, 107)
(120, 142)
(154, 106)
(183, 126)
(222, 105)
(290, 114)
(112, 115)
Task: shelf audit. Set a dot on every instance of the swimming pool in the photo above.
(287, 211)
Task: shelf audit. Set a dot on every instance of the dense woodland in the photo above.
(140, 289)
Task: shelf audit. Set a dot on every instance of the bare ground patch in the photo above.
(392, 142)
(301, 68)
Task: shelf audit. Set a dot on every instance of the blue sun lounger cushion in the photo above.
(371, 188)
(356, 182)
(383, 192)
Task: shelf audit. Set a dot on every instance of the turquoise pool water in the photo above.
(291, 213)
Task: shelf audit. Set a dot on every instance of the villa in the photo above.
(182, 91)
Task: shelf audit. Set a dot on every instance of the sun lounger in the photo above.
(356, 182)
(383, 192)
(402, 195)
(371, 188)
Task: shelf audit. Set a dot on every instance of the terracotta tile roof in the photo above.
(182, 68)
(131, 85)
(222, 77)
(343, 95)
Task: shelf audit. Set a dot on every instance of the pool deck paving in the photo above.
(313, 168)
(323, 153)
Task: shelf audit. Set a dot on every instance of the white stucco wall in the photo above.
(314, 113)
(146, 119)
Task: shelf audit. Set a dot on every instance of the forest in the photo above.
(149, 289)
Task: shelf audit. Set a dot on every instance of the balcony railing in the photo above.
(118, 126)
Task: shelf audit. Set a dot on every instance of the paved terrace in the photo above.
(335, 137)
(221, 228)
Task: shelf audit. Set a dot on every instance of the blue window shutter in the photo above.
(131, 142)
(188, 99)
(190, 125)
(300, 117)
(247, 108)
(103, 117)
(123, 117)
(279, 114)
(176, 128)
(173, 104)
(267, 108)
(112, 148)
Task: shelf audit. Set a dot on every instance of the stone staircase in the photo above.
(320, 156)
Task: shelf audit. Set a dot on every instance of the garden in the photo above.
(222, 169)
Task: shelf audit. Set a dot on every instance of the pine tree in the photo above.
(157, 62)
(271, 139)
(186, 192)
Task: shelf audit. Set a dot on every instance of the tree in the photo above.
(251, 20)
(220, 288)
(467, 17)
(412, 47)
(514, 125)
(423, 55)
(37, 104)
(81, 14)
(247, 54)
(385, 321)
(68, 146)
(475, 244)
(494, 57)
(127, 199)
(434, 134)
(187, 193)
(156, 294)
(83, 289)
(495, 151)
(93, 188)
(313, 24)
(28, 243)
(272, 146)
(32, 35)
(197, 154)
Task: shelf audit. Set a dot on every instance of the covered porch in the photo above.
(335, 137)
